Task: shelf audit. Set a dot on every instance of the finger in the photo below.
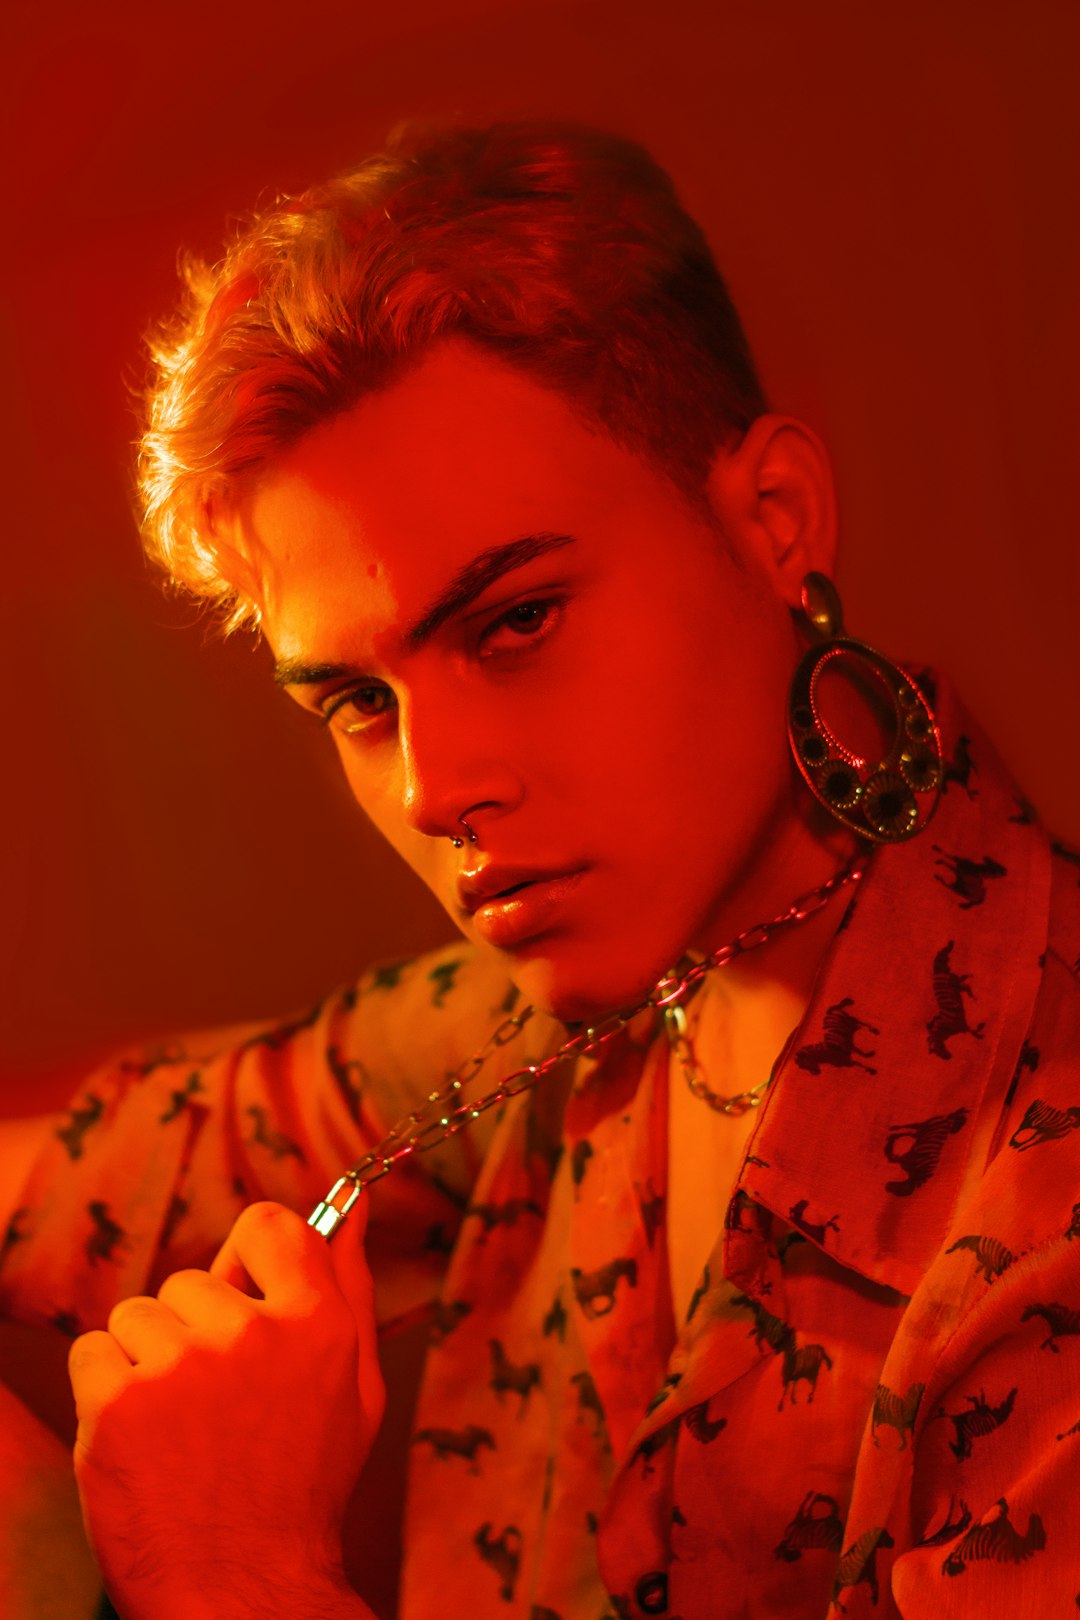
(353, 1278)
(226, 1265)
(99, 1372)
(146, 1331)
(285, 1258)
(211, 1311)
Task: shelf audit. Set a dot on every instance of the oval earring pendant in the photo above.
(885, 800)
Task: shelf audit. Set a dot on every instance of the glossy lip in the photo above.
(488, 882)
(512, 919)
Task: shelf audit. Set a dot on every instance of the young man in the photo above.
(763, 1303)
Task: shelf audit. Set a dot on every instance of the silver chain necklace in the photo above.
(445, 1112)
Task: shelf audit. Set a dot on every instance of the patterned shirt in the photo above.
(871, 1404)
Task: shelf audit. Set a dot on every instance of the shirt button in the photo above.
(651, 1593)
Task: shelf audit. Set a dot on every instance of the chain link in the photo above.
(446, 1112)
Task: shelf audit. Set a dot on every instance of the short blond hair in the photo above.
(561, 249)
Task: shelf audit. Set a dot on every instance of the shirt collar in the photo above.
(883, 1108)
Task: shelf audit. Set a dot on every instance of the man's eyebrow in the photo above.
(467, 584)
(475, 578)
(294, 672)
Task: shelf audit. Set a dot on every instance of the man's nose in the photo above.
(453, 760)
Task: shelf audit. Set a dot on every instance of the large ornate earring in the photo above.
(885, 800)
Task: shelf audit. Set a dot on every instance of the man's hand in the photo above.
(220, 1434)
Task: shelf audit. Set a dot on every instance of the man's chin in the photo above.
(582, 997)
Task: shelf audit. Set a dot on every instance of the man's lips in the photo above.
(495, 882)
(521, 906)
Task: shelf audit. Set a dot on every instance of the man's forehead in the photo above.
(374, 513)
(464, 587)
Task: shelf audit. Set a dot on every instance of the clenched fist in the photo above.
(223, 1424)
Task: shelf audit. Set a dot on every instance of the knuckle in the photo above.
(261, 1212)
(84, 1350)
(181, 1282)
(139, 1308)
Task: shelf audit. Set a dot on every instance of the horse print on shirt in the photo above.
(916, 1148)
(950, 1020)
(655, 1442)
(1062, 1321)
(107, 1237)
(437, 1240)
(595, 1290)
(508, 1379)
(991, 1255)
(767, 1329)
(589, 1402)
(699, 1293)
(443, 976)
(465, 1443)
(1028, 1059)
(445, 1316)
(977, 1422)
(276, 1143)
(837, 1047)
(502, 1553)
(80, 1120)
(350, 1074)
(814, 1230)
(387, 976)
(555, 1320)
(701, 1426)
(800, 1364)
(967, 878)
(893, 1411)
(580, 1154)
(671, 1382)
(949, 1528)
(996, 1539)
(859, 1564)
(816, 1526)
(178, 1100)
(1043, 1123)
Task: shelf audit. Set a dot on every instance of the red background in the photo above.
(892, 195)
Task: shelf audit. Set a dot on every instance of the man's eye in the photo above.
(525, 621)
(356, 709)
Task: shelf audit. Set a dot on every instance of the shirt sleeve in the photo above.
(996, 1469)
(161, 1149)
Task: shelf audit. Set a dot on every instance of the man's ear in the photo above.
(772, 493)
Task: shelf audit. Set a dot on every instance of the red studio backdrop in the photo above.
(890, 194)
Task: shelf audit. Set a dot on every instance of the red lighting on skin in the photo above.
(528, 912)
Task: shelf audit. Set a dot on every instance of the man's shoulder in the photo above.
(445, 1001)
(456, 991)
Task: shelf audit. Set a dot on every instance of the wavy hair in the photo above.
(561, 249)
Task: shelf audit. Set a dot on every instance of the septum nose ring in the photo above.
(459, 842)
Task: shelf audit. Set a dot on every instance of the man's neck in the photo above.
(799, 854)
